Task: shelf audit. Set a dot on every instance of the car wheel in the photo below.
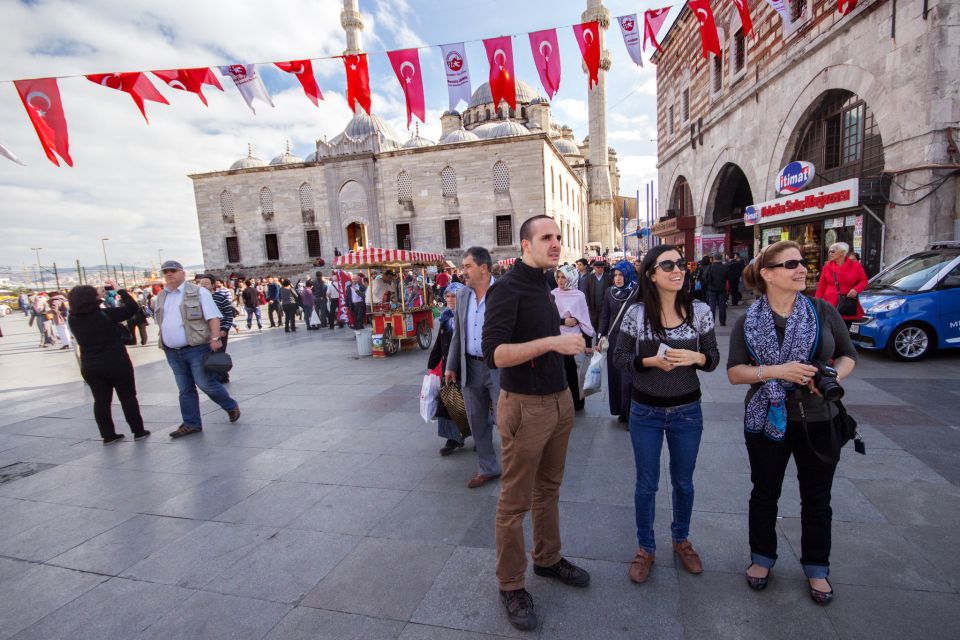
(910, 342)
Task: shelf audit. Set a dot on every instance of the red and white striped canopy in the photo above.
(373, 257)
(507, 261)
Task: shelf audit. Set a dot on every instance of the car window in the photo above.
(914, 272)
(952, 279)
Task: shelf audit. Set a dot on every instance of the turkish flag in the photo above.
(546, 57)
(588, 37)
(708, 27)
(406, 64)
(652, 21)
(502, 83)
(745, 20)
(303, 70)
(846, 6)
(358, 81)
(137, 84)
(191, 80)
(41, 99)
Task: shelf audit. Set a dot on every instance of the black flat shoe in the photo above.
(758, 584)
(822, 598)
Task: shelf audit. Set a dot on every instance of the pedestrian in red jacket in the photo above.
(842, 276)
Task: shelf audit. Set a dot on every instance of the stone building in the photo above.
(492, 168)
(871, 99)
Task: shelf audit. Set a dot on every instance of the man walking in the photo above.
(251, 303)
(273, 302)
(734, 272)
(521, 337)
(595, 290)
(481, 386)
(190, 329)
(715, 282)
(583, 268)
(320, 298)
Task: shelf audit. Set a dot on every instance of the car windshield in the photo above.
(914, 272)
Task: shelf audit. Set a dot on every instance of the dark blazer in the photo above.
(98, 334)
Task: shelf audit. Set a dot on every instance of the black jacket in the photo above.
(98, 334)
(438, 355)
(520, 308)
(716, 277)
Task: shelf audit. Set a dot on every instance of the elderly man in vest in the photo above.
(190, 329)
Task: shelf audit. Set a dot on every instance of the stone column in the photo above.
(352, 23)
(600, 205)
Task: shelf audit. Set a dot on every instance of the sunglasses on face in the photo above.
(786, 264)
(670, 265)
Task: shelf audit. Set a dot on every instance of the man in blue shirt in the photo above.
(273, 301)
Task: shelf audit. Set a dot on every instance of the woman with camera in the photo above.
(104, 363)
(782, 348)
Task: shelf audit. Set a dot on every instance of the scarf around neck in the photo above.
(766, 412)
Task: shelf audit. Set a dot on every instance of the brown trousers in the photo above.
(534, 431)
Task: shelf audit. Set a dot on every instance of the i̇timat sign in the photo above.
(840, 195)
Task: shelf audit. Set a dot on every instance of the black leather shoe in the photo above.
(450, 447)
(520, 611)
(822, 598)
(564, 572)
(758, 584)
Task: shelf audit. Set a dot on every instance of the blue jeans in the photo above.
(251, 312)
(187, 365)
(683, 426)
(718, 302)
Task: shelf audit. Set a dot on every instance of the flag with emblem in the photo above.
(191, 80)
(137, 84)
(781, 7)
(652, 21)
(41, 99)
(502, 82)
(708, 26)
(458, 74)
(745, 20)
(358, 81)
(631, 37)
(406, 64)
(588, 38)
(546, 57)
(302, 70)
(248, 83)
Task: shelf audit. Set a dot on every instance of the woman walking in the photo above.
(622, 292)
(842, 281)
(665, 338)
(773, 348)
(446, 428)
(289, 301)
(308, 302)
(574, 318)
(104, 363)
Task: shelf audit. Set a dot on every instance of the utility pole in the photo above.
(124, 273)
(56, 275)
(79, 279)
(106, 263)
(39, 268)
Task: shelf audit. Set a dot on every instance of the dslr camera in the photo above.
(825, 380)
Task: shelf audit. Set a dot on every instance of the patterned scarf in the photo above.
(766, 412)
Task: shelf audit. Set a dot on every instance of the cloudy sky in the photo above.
(129, 180)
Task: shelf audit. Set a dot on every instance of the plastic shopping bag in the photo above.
(430, 395)
(594, 375)
(314, 319)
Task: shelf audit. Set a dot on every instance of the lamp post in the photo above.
(106, 263)
(39, 268)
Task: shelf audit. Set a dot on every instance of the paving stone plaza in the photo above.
(327, 513)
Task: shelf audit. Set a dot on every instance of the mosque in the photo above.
(492, 168)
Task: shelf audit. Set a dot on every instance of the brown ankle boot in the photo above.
(640, 566)
(689, 558)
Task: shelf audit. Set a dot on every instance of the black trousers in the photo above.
(734, 293)
(768, 464)
(573, 380)
(274, 306)
(321, 306)
(290, 316)
(140, 328)
(103, 380)
(359, 314)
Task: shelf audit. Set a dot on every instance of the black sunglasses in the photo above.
(786, 264)
(670, 265)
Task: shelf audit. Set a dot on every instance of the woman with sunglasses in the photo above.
(665, 338)
(772, 349)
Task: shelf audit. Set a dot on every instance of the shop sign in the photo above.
(833, 197)
(794, 176)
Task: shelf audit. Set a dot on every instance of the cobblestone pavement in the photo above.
(326, 511)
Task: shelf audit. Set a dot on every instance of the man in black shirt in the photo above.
(521, 337)
(595, 289)
(716, 284)
(734, 273)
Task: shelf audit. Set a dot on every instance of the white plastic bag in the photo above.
(314, 319)
(429, 396)
(592, 380)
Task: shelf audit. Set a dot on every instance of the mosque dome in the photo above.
(459, 135)
(363, 125)
(540, 100)
(566, 147)
(286, 158)
(508, 129)
(249, 162)
(312, 157)
(416, 142)
(482, 95)
(485, 130)
(450, 112)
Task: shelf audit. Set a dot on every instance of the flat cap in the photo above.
(171, 264)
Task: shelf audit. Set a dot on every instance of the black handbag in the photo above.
(218, 362)
(843, 429)
(846, 305)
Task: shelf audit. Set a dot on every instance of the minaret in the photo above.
(600, 207)
(352, 23)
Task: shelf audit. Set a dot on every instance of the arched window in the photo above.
(487, 115)
(306, 202)
(553, 184)
(266, 203)
(404, 188)
(448, 182)
(501, 178)
(226, 205)
(681, 201)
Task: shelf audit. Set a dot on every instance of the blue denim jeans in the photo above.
(187, 365)
(251, 312)
(683, 426)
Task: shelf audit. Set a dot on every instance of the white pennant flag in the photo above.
(629, 27)
(781, 7)
(6, 153)
(458, 74)
(248, 82)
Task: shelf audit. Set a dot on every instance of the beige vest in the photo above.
(197, 329)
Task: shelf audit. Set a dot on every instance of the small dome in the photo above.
(362, 125)
(450, 112)
(286, 157)
(540, 100)
(485, 130)
(508, 129)
(566, 147)
(459, 135)
(482, 95)
(249, 162)
(311, 158)
(416, 142)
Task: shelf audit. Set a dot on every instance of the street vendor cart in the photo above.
(410, 318)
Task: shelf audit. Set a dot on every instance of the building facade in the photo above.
(870, 99)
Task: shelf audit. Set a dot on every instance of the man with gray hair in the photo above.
(481, 385)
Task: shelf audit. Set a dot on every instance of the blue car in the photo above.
(913, 306)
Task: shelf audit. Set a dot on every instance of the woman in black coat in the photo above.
(104, 363)
(446, 428)
(624, 288)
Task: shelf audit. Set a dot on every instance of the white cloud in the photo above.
(636, 170)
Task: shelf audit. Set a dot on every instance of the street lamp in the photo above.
(106, 263)
(39, 268)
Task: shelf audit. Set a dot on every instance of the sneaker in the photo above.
(234, 414)
(140, 436)
(564, 572)
(184, 430)
(519, 606)
(112, 439)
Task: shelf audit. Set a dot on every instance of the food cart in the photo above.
(404, 319)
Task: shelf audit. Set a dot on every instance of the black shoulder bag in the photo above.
(846, 305)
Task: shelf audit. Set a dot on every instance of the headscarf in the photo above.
(629, 281)
(453, 288)
(571, 274)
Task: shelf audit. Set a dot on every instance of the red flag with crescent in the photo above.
(546, 57)
(41, 99)
(745, 20)
(406, 64)
(191, 80)
(846, 6)
(708, 26)
(502, 83)
(137, 84)
(302, 70)
(588, 37)
(652, 21)
(358, 81)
